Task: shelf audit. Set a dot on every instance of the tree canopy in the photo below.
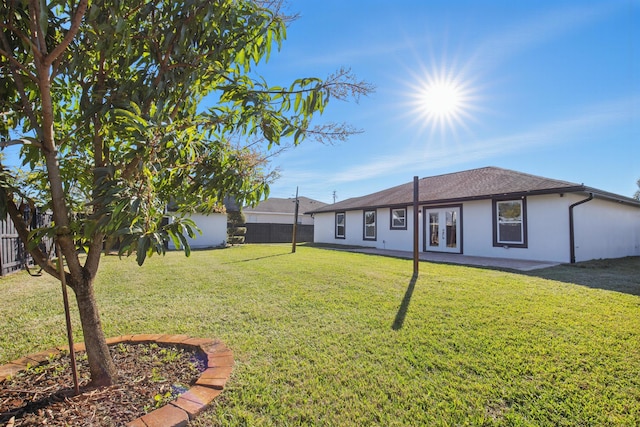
(105, 98)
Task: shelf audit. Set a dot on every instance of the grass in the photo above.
(328, 338)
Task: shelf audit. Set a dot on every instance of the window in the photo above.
(510, 223)
(399, 219)
(340, 225)
(369, 225)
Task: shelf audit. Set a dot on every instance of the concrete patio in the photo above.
(501, 263)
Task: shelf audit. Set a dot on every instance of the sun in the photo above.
(442, 101)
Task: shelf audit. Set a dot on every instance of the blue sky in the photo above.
(551, 88)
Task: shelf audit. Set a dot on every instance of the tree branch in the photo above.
(40, 42)
(73, 30)
(14, 62)
(19, 141)
(24, 100)
(93, 255)
(14, 66)
(22, 36)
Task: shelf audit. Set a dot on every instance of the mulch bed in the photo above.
(149, 376)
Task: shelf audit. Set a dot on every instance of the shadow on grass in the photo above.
(257, 258)
(618, 275)
(404, 305)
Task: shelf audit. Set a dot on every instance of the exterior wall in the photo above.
(277, 218)
(603, 229)
(324, 228)
(395, 239)
(603, 232)
(547, 230)
(214, 231)
(386, 238)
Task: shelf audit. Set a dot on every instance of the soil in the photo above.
(149, 376)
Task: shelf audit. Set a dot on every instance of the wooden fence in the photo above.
(277, 233)
(13, 254)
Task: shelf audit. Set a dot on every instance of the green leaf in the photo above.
(142, 248)
(125, 97)
(185, 244)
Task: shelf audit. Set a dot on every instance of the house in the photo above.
(489, 212)
(213, 226)
(214, 231)
(271, 221)
(281, 211)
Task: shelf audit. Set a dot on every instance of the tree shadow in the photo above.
(404, 305)
(256, 258)
(618, 275)
(34, 406)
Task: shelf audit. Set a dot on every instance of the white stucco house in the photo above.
(213, 228)
(489, 212)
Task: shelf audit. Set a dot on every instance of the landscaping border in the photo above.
(186, 406)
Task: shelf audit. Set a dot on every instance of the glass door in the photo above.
(442, 229)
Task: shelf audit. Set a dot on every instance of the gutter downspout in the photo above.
(572, 240)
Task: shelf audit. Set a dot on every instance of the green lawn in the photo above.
(332, 338)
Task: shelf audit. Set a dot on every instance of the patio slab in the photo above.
(502, 263)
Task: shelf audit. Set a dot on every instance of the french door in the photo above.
(442, 229)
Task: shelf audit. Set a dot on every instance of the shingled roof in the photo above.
(475, 184)
(279, 205)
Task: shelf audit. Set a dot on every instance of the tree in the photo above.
(636, 195)
(104, 97)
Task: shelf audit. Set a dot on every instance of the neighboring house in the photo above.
(271, 221)
(489, 212)
(213, 228)
(281, 211)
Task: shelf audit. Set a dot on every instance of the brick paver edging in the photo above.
(189, 404)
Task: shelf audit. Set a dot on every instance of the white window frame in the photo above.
(392, 225)
(343, 225)
(365, 226)
(498, 239)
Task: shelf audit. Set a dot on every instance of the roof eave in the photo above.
(605, 195)
(453, 200)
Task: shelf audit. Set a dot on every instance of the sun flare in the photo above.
(442, 101)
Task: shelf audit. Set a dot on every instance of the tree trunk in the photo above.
(101, 366)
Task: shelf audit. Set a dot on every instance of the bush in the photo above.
(236, 233)
(235, 219)
(236, 240)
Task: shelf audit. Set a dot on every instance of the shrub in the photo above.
(235, 233)
(236, 240)
(235, 218)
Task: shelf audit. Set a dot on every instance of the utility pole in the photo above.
(334, 196)
(295, 223)
(416, 226)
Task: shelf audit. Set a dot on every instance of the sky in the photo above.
(549, 88)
